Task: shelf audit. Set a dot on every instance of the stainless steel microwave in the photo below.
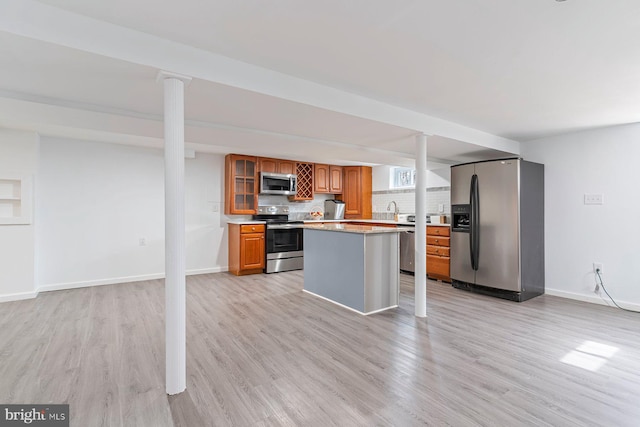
(278, 183)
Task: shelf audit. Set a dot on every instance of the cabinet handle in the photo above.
(437, 240)
(253, 229)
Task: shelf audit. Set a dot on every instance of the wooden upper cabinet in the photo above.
(241, 185)
(327, 179)
(351, 192)
(321, 178)
(356, 192)
(287, 166)
(266, 164)
(335, 179)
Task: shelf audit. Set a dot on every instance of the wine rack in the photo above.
(304, 171)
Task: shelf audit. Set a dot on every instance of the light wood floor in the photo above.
(263, 353)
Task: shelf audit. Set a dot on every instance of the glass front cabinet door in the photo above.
(241, 185)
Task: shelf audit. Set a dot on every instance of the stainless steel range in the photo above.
(284, 249)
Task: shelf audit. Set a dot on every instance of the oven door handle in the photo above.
(284, 226)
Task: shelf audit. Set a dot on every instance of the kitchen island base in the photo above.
(356, 267)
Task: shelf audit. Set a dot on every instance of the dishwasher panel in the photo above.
(408, 251)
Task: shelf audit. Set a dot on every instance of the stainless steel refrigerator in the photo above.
(497, 228)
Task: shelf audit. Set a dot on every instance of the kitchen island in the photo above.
(356, 266)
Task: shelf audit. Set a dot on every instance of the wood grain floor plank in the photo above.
(260, 352)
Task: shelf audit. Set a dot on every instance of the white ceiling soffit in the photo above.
(41, 22)
(518, 69)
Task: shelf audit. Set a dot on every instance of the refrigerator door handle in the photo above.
(471, 224)
(474, 238)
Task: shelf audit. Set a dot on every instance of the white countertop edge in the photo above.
(316, 221)
(373, 221)
(334, 228)
(245, 222)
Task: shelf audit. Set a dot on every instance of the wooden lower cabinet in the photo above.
(246, 249)
(438, 261)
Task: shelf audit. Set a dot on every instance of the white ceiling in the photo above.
(515, 69)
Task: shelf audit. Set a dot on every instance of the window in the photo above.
(403, 178)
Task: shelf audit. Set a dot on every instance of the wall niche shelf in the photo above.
(15, 200)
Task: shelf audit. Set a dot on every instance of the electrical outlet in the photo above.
(440, 207)
(598, 266)
(216, 207)
(593, 199)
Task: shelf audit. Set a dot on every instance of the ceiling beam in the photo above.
(42, 22)
(146, 130)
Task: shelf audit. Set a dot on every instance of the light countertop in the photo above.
(344, 221)
(413, 224)
(353, 228)
(372, 221)
(245, 222)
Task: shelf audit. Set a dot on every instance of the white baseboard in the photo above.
(99, 282)
(207, 271)
(18, 296)
(123, 279)
(594, 299)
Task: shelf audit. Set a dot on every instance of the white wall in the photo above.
(439, 178)
(380, 177)
(576, 235)
(97, 200)
(18, 158)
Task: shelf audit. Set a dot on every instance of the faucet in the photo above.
(395, 211)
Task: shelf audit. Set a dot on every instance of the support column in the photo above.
(421, 227)
(174, 225)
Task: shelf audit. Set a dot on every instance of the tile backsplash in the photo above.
(297, 210)
(406, 202)
(380, 200)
